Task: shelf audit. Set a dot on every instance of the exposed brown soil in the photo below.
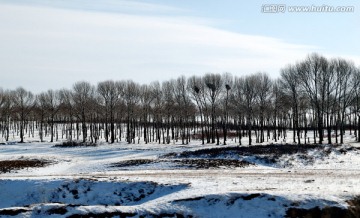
(59, 210)
(136, 162)
(212, 163)
(268, 154)
(13, 212)
(354, 206)
(293, 212)
(7, 166)
(328, 212)
(228, 156)
(73, 144)
(271, 149)
(191, 163)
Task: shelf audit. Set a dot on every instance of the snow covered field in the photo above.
(155, 180)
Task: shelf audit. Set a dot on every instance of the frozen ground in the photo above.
(155, 180)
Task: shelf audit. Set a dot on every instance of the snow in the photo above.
(83, 181)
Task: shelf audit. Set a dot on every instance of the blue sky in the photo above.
(52, 44)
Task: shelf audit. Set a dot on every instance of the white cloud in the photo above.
(46, 47)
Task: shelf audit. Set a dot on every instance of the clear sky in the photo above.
(51, 44)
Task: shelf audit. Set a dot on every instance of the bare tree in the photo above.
(146, 98)
(278, 100)
(110, 94)
(312, 73)
(6, 106)
(357, 102)
(228, 82)
(215, 86)
(196, 90)
(42, 113)
(66, 108)
(347, 84)
(264, 95)
(183, 104)
(83, 93)
(290, 85)
(249, 90)
(238, 103)
(131, 97)
(165, 108)
(23, 104)
(49, 102)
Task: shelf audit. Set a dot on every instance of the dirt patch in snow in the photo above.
(250, 203)
(212, 163)
(13, 212)
(345, 150)
(73, 144)
(136, 162)
(353, 210)
(271, 149)
(58, 210)
(317, 212)
(7, 166)
(272, 154)
(354, 205)
(188, 163)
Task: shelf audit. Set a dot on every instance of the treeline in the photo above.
(317, 94)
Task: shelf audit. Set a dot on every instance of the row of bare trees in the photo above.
(329, 89)
(316, 95)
